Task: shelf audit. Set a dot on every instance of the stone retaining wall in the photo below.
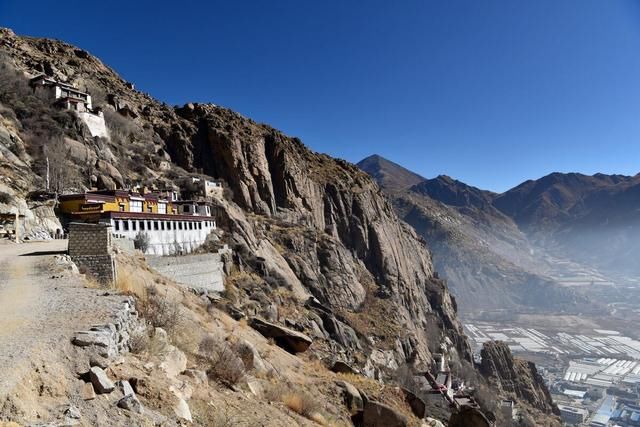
(203, 272)
(111, 338)
(90, 247)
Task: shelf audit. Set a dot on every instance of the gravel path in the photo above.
(40, 307)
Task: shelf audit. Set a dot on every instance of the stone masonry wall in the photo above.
(90, 248)
(202, 273)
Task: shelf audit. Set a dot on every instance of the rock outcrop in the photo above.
(515, 377)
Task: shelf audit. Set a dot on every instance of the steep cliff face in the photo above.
(319, 224)
(353, 228)
(516, 378)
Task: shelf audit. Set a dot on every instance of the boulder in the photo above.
(99, 361)
(418, 406)
(181, 409)
(125, 387)
(377, 414)
(101, 382)
(71, 416)
(290, 340)
(432, 422)
(87, 338)
(87, 392)
(255, 386)
(339, 331)
(131, 403)
(342, 367)
(250, 356)
(72, 412)
(351, 396)
(174, 363)
(199, 377)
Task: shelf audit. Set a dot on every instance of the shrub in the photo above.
(141, 241)
(224, 364)
(159, 310)
(5, 197)
(139, 340)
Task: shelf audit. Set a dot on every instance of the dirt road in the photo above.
(42, 304)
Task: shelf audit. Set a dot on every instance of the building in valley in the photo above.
(171, 226)
(67, 96)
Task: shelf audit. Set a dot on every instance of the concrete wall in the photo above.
(95, 123)
(171, 236)
(204, 273)
(90, 248)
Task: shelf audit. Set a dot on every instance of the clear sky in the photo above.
(490, 92)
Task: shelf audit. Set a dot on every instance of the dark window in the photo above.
(125, 223)
(142, 225)
(133, 225)
(186, 208)
(155, 225)
(148, 225)
(121, 207)
(162, 225)
(200, 225)
(117, 225)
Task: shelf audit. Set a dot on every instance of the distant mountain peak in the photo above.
(388, 174)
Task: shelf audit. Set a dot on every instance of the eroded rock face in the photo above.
(515, 377)
(352, 236)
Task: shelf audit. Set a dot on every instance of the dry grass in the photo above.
(127, 284)
(297, 400)
(91, 282)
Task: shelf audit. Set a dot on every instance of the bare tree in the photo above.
(57, 170)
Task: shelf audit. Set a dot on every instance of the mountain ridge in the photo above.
(482, 252)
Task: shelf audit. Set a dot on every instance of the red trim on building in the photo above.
(146, 215)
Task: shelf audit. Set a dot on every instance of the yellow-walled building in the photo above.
(98, 202)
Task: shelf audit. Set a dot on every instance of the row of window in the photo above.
(143, 225)
(136, 206)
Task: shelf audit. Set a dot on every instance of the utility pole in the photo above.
(47, 177)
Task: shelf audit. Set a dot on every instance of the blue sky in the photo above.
(489, 92)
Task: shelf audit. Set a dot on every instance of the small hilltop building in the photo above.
(69, 97)
(210, 189)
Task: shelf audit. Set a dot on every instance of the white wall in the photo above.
(162, 242)
(95, 123)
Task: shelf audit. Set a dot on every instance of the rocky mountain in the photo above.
(591, 219)
(322, 227)
(318, 247)
(481, 252)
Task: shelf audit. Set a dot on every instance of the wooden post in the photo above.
(16, 225)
